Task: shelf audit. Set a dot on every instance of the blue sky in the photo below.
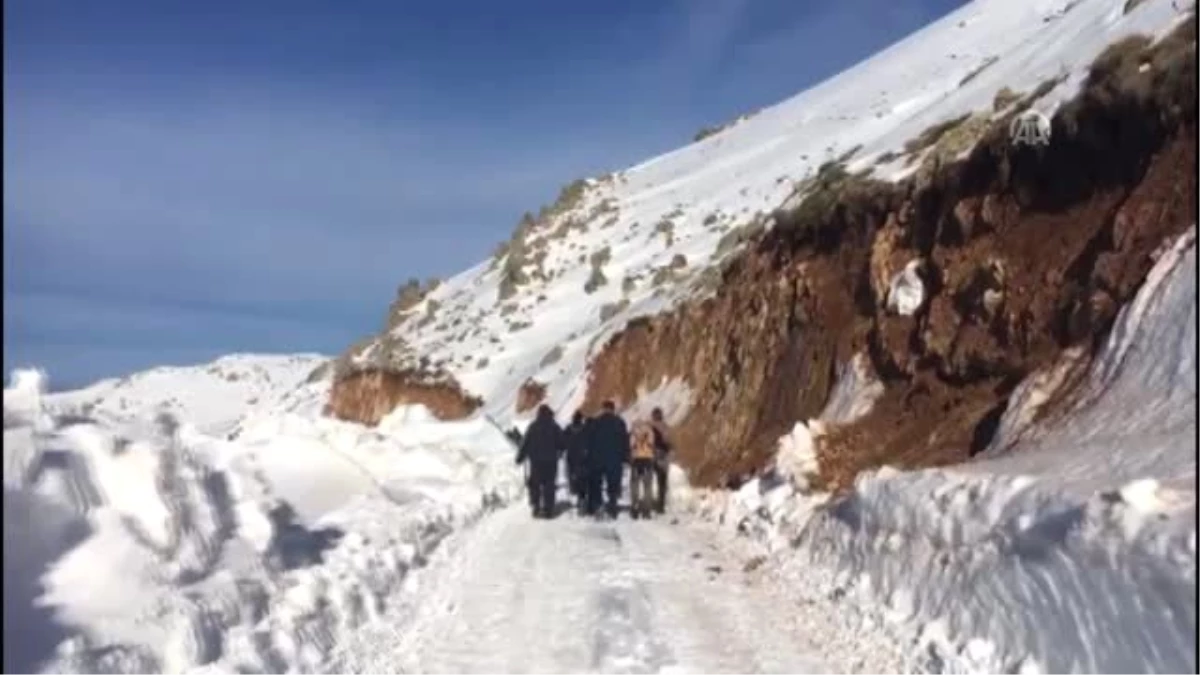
(185, 179)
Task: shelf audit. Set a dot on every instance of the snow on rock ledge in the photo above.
(366, 396)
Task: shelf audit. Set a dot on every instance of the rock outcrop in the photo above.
(956, 284)
(530, 395)
(376, 375)
(367, 396)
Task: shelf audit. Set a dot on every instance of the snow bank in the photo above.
(988, 573)
(149, 545)
(320, 464)
(1071, 547)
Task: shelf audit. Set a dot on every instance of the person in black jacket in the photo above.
(577, 475)
(608, 453)
(543, 446)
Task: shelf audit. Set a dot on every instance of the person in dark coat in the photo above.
(608, 453)
(543, 446)
(577, 475)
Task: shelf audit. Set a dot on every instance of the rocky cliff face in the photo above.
(376, 375)
(367, 396)
(956, 284)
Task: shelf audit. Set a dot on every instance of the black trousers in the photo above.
(543, 477)
(577, 478)
(604, 482)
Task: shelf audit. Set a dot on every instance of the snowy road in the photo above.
(575, 595)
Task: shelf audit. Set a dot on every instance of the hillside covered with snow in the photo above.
(637, 241)
(212, 396)
(934, 395)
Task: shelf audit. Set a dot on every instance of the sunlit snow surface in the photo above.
(138, 541)
(156, 546)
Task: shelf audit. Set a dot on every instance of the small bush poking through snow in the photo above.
(887, 157)
(740, 235)
(661, 276)
(513, 274)
(987, 63)
(319, 373)
(408, 295)
(709, 280)
(1131, 5)
(601, 257)
(1045, 87)
(953, 142)
(553, 356)
(568, 198)
(595, 281)
(678, 261)
(1004, 98)
(848, 155)
(665, 227)
(597, 278)
(612, 309)
(431, 308)
(628, 285)
(932, 134)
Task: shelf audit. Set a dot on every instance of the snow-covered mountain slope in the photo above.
(148, 542)
(212, 396)
(142, 544)
(646, 237)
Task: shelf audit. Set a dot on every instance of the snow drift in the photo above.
(150, 545)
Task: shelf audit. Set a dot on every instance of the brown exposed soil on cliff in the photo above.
(529, 395)
(1022, 251)
(367, 396)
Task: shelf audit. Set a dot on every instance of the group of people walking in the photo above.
(597, 450)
